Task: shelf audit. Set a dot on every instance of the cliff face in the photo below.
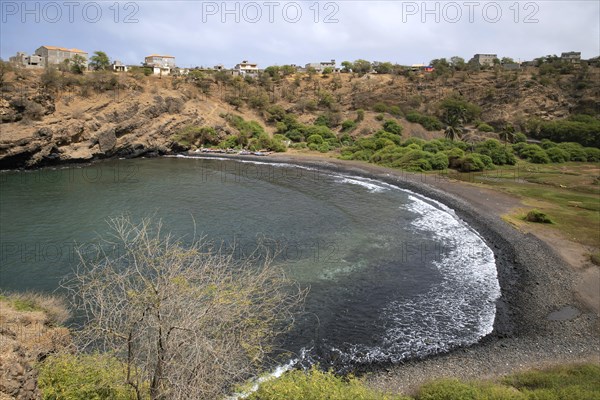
(80, 119)
(26, 338)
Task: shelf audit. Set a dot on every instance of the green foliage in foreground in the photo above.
(100, 376)
(563, 382)
(75, 377)
(537, 216)
(317, 385)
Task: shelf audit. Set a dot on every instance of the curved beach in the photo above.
(539, 319)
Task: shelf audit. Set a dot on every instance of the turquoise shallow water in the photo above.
(391, 275)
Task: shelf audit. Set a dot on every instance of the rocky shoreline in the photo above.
(531, 328)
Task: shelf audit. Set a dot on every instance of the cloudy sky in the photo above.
(296, 32)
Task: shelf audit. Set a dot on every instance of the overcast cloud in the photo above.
(285, 32)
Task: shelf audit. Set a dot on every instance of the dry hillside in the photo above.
(62, 117)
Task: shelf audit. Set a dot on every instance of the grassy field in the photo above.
(568, 193)
(578, 381)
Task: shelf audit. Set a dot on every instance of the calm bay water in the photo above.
(391, 275)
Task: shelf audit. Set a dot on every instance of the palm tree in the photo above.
(507, 134)
(454, 127)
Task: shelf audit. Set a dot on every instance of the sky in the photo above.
(273, 32)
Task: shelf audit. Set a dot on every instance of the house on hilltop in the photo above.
(27, 61)
(574, 57)
(485, 59)
(320, 66)
(246, 68)
(118, 66)
(160, 64)
(53, 55)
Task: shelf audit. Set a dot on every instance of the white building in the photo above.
(160, 64)
(118, 66)
(320, 66)
(246, 68)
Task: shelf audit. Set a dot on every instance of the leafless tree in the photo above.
(187, 321)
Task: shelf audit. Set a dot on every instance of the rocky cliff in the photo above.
(50, 118)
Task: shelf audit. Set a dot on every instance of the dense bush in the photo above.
(459, 106)
(471, 163)
(430, 123)
(520, 138)
(196, 135)
(316, 385)
(557, 155)
(500, 154)
(75, 377)
(575, 150)
(593, 154)
(393, 127)
(380, 107)
(316, 139)
(381, 134)
(537, 216)
(483, 127)
(533, 153)
(583, 129)
(348, 125)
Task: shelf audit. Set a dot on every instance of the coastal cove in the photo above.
(534, 281)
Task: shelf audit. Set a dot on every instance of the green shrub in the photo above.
(316, 139)
(470, 163)
(539, 157)
(395, 110)
(459, 106)
(593, 154)
(75, 377)
(448, 389)
(196, 135)
(557, 155)
(433, 146)
(348, 125)
(379, 117)
(388, 135)
(439, 161)
(430, 123)
(295, 135)
(316, 385)
(520, 138)
(499, 153)
(454, 156)
(583, 129)
(360, 115)
(323, 147)
(487, 161)
(380, 107)
(393, 127)
(413, 140)
(388, 155)
(483, 127)
(414, 160)
(576, 151)
(547, 144)
(533, 153)
(537, 216)
(346, 140)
